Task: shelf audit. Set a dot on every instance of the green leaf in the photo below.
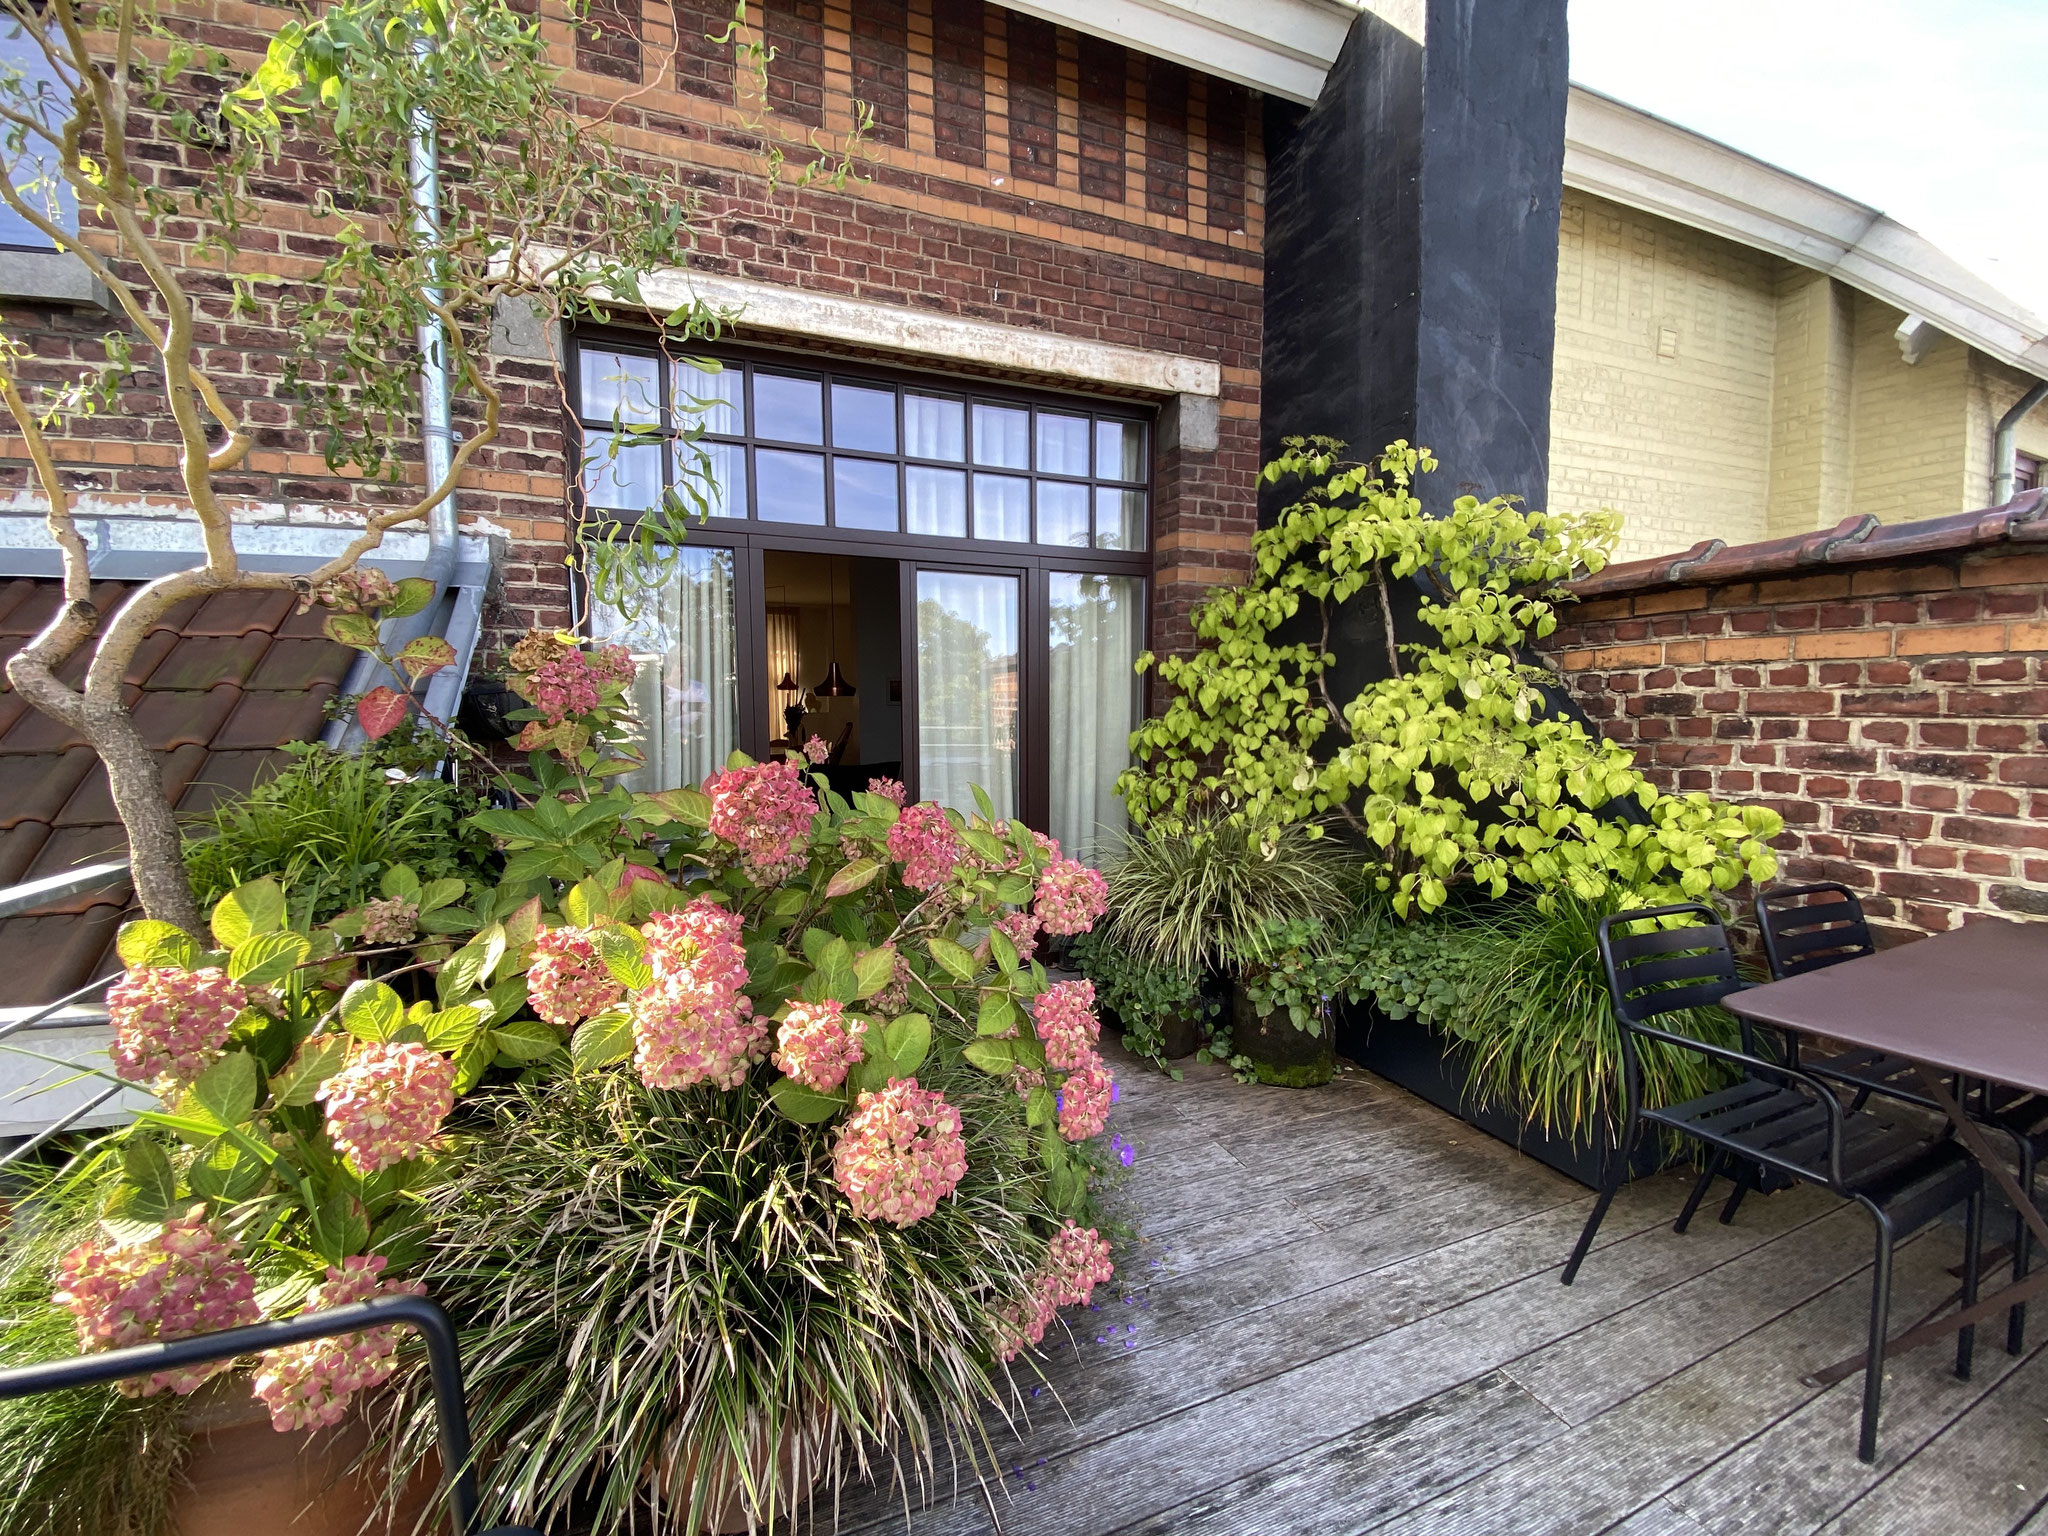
(355, 630)
(147, 943)
(474, 1060)
(998, 1014)
(1014, 890)
(836, 975)
(873, 968)
(470, 967)
(855, 876)
(906, 1040)
(439, 893)
(424, 656)
(1042, 1107)
(399, 883)
(227, 1089)
(410, 597)
(992, 1056)
(318, 1059)
(148, 1191)
(602, 1041)
(450, 1029)
(871, 1074)
(1002, 950)
(953, 958)
(692, 807)
(624, 954)
(522, 926)
(227, 1171)
(526, 1040)
(982, 803)
(257, 907)
(806, 1106)
(268, 958)
(341, 1226)
(371, 1011)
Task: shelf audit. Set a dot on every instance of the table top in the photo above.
(1973, 1000)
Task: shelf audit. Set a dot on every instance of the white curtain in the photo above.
(1095, 698)
(686, 694)
(967, 688)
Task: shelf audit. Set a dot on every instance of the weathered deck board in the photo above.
(1342, 1314)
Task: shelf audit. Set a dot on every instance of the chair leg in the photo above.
(1973, 1262)
(1746, 1175)
(1880, 1324)
(1699, 1189)
(1610, 1184)
(2022, 1253)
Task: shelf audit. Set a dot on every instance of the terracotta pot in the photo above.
(244, 1477)
(1281, 1054)
(796, 1456)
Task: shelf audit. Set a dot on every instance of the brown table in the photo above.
(1973, 1001)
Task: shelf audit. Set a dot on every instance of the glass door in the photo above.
(1096, 627)
(969, 703)
(685, 695)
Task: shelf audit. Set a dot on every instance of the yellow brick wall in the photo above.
(1812, 443)
(1661, 397)
(1994, 388)
(1912, 437)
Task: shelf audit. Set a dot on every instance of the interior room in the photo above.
(835, 661)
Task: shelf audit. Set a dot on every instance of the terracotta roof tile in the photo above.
(203, 662)
(293, 664)
(35, 788)
(19, 846)
(175, 718)
(155, 646)
(264, 719)
(92, 803)
(304, 626)
(228, 774)
(47, 957)
(241, 613)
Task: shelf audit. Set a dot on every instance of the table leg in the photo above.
(1972, 1137)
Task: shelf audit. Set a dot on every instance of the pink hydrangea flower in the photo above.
(309, 1385)
(819, 1043)
(1070, 897)
(888, 789)
(567, 981)
(1026, 1080)
(1077, 1261)
(570, 681)
(386, 1104)
(816, 750)
(924, 843)
(695, 1024)
(1023, 1323)
(894, 998)
(187, 1279)
(169, 1024)
(1021, 928)
(1064, 1015)
(390, 922)
(1085, 1098)
(899, 1153)
(765, 811)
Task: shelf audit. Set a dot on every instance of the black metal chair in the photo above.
(1778, 1117)
(1808, 927)
(444, 1364)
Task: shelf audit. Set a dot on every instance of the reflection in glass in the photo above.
(620, 386)
(713, 397)
(788, 410)
(789, 487)
(864, 418)
(935, 501)
(1062, 514)
(1120, 450)
(1002, 507)
(1062, 444)
(624, 477)
(685, 695)
(934, 428)
(863, 493)
(1119, 519)
(1002, 436)
(711, 478)
(1095, 698)
(967, 688)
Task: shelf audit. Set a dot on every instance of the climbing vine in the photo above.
(1454, 767)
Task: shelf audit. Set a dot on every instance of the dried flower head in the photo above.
(390, 922)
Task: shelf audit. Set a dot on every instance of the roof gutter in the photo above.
(2005, 443)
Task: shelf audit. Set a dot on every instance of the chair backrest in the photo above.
(1653, 969)
(1806, 927)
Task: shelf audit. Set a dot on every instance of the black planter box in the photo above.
(1415, 1056)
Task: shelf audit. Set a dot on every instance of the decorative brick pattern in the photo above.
(959, 73)
(795, 29)
(609, 41)
(1891, 713)
(1166, 138)
(1034, 99)
(881, 67)
(1105, 69)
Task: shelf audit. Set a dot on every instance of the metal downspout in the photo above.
(2005, 443)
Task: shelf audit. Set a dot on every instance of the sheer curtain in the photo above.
(1096, 624)
(967, 688)
(686, 694)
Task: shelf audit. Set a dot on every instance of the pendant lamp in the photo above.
(835, 685)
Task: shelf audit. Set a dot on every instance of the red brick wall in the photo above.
(1895, 714)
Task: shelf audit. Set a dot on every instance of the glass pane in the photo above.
(934, 428)
(1062, 444)
(967, 688)
(935, 501)
(711, 478)
(1119, 519)
(1002, 437)
(685, 697)
(864, 418)
(863, 493)
(1062, 514)
(621, 387)
(38, 93)
(1096, 630)
(1120, 450)
(623, 477)
(1002, 507)
(790, 487)
(788, 410)
(715, 397)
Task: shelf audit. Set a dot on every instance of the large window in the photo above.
(31, 87)
(793, 447)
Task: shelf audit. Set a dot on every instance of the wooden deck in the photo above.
(1343, 1315)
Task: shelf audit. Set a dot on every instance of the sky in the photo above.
(1932, 110)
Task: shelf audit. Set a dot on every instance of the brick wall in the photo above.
(1893, 708)
(1016, 175)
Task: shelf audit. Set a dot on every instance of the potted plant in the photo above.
(1164, 1013)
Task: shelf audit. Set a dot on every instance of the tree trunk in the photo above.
(156, 848)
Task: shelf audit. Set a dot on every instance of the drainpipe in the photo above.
(2005, 443)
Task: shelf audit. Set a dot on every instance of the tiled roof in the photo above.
(1855, 540)
(216, 687)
